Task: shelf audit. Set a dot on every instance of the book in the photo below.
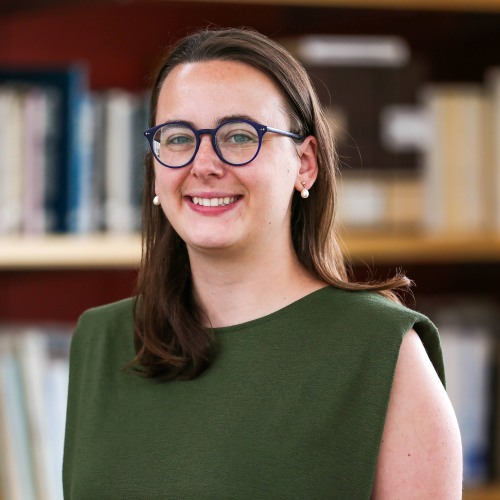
(68, 84)
(350, 50)
(35, 156)
(30, 350)
(493, 148)
(121, 109)
(33, 391)
(104, 177)
(11, 158)
(466, 363)
(56, 391)
(139, 149)
(9, 474)
(98, 217)
(356, 79)
(16, 459)
(454, 165)
(380, 200)
(81, 176)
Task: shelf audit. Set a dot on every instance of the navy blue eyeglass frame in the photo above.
(260, 129)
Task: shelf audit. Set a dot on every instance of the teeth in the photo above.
(213, 202)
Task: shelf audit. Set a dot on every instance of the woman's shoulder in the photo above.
(108, 327)
(115, 310)
(368, 307)
(375, 321)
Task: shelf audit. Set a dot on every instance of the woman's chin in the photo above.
(211, 245)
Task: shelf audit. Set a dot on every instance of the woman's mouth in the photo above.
(214, 202)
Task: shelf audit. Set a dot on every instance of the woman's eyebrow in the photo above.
(217, 122)
(179, 121)
(226, 118)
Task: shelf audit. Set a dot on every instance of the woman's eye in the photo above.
(240, 138)
(236, 134)
(179, 140)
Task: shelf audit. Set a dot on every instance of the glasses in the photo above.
(236, 142)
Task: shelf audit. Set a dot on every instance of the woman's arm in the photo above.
(421, 452)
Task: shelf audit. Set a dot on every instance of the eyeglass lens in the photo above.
(175, 145)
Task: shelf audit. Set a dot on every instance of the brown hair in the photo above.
(170, 339)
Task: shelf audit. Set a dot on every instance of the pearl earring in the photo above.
(304, 193)
(156, 200)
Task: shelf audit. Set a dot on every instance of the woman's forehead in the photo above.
(219, 88)
(220, 74)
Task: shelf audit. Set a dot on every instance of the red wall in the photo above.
(120, 42)
(58, 294)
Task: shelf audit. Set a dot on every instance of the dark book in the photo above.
(356, 98)
(360, 80)
(67, 84)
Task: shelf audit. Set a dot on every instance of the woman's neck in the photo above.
(236, 290)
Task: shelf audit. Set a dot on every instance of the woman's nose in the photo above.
(206, 161)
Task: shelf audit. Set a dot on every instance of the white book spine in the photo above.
(119, 163)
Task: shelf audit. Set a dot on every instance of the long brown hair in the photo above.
(170, 339)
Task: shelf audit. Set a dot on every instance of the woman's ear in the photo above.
(308, 170)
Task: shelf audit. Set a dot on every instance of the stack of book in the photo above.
(33, 395)
(70, 160)
(462, 160)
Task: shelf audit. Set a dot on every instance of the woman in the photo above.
(259, 370)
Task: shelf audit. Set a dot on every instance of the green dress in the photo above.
(293, 407)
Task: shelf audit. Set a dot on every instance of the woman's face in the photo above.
(258, 195)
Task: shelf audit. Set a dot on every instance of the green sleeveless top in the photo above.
(293, 407)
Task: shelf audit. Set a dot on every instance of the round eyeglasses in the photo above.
(236, 142)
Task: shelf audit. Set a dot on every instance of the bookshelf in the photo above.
(73, 273)
(70, 252)
(387, 248)
(123, 251)
(485, 493)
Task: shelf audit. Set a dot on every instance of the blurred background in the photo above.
(413, 96)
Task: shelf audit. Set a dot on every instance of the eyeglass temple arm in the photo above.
(284, 132)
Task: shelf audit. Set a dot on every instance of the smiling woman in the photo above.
(249, 365)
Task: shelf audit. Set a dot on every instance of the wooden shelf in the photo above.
(404, 248)
(451, 5)
(489, 492)
(66, 252)
(123, 251)
(12, 6)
